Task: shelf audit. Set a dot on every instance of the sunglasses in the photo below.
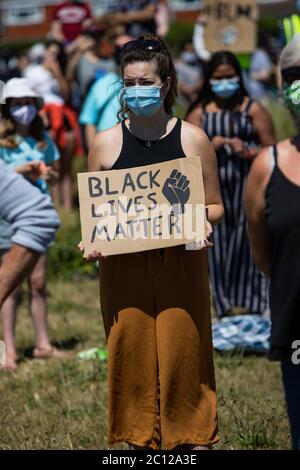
(148, 44)
(291, 74)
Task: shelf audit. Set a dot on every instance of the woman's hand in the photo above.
(237, 146)
(52, 65)
(209, 231)
(29, 170)
(94, 256)
(48, 174)
(218, 142)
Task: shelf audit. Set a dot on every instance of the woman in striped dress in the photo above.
(237, 127)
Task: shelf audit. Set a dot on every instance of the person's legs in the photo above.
(66, 171)
(291, 382)
(38, 304)
(127, 309)
(185, 353)
(9, 317)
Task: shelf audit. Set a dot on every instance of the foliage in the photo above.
(65, 259)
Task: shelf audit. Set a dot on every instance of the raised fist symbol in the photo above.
(176, 190)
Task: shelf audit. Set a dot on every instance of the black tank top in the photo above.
(137, 152)
(283, 221)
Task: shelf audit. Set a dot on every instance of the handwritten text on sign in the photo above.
(142, 208)
(231, 25)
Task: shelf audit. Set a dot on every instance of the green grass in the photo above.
(63, 404)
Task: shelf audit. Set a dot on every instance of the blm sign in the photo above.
(231, 25)
(142, 208)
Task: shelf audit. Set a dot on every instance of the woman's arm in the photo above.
(263, 124)
(53, 66)
(105, 148)
(213, 199)
(255, 211)
(196, 142)
(90, 132)
(195, 117)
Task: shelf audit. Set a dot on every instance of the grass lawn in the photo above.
(63, 405)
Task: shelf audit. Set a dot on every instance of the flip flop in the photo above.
(50, 353)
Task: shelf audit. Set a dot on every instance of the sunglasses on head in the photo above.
(291, 74)
(148, 44)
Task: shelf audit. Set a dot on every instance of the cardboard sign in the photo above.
(142, 208)
(231, 25)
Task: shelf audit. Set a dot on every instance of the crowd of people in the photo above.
(108, 87)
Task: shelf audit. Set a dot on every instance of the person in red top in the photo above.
(70, 19)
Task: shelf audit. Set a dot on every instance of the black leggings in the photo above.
(291, 382)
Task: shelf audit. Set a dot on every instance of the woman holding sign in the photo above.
(155, 304)
(237, 127)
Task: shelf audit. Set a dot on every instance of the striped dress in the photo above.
(236, 282)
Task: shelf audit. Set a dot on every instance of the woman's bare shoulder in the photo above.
(193, 131)
(106, 147)
(194, 140)
(108, 137)
(261, 167)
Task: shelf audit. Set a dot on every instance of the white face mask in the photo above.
(23, 114)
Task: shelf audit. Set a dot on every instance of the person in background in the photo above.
(92, 59)
(33, 221)
(48, 79)
(101, 108)
(8, 64)
(138, 16)
(70, 19)
(237, 127)
(189, 72)
(273, 214)
(198, 38)
(26, 147)
(261, 70)
(162, 18)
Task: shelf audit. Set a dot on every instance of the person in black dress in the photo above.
(238, 127)
(273, 214)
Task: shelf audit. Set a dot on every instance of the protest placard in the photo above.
(142, 208)
(231, 25)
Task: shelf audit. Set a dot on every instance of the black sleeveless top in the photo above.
(137, 152)
(283, 221)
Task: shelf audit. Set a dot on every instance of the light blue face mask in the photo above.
(143, 101)
(225, 87)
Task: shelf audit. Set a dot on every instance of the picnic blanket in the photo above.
(248, 333)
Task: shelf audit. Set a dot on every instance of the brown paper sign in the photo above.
(142, 208)
(231, 25)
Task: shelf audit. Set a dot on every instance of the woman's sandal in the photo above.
(49, 353)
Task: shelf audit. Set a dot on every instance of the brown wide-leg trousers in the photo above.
(156, 312)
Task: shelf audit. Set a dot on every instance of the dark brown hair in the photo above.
(137, 51)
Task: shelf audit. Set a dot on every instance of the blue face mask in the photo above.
(143, 101)
(225, 87)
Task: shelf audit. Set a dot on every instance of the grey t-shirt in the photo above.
(88, 71)
(30, 213)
